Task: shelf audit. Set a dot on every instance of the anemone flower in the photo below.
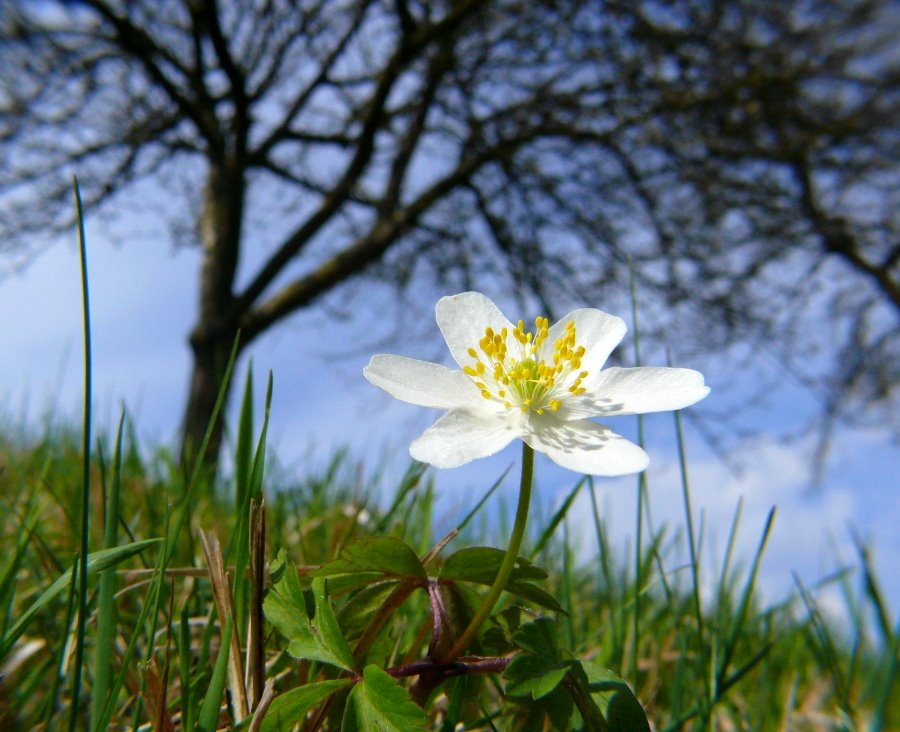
(545, 386)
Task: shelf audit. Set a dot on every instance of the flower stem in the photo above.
(509, 560)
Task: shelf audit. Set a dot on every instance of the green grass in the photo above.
(154, 656)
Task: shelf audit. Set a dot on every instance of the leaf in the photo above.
(543, 672)
(538, 637)
(539, 669)
(291, 707)
(315, 638)
(481, 563)
(327, 625)
(288, 603)
(497, 640)
(558, 707)
(618, 704)
(538, 596)
(551, 712)
(97, 562)
(534, 676)
(344, 584)
(359, 609)
(384, 555)
(380, 703)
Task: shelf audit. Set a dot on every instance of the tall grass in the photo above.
(157, 643)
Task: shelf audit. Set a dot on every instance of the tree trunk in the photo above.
(213, 336)
(209, 363)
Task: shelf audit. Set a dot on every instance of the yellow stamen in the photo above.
(518, 367)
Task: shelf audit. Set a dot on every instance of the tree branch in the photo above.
(353, 260)
(405, 54)
(836, 236)
(138, 44)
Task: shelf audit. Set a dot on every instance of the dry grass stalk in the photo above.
(222, 595)
(255, 671)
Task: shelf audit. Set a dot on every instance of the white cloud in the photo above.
(811, 534)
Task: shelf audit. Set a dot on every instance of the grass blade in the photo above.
(490, 491)
(185, 658)
(251, 492)
(746, 596)
(880, 719)
(106, 602)
(694, 555)
(242, 462)
(557, 518)
(86, 466)
(874, 593)
(97, 562)
(827, 647)
(7, 588)
(52, 699)
(609, 579)
(408, 484)
(255, 670)
(208, 719)
(149, 604)
(641, 486)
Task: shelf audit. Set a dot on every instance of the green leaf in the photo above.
(481, 563)
(327, 626)
(599, 694)
(97, 562)
(344, 584)
(359, 609)
(539, 669)
(384, 555)
(538, 637)
(551, 712)
(286, 585)
(623, 712)
(535, 676)
(380, 703)
(539, 597)
(315, 637)
(291, 707)
(559, 707)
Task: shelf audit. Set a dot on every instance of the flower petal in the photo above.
(422, 382)
(597, 331)
(462, 319)
(616, 391)
(586, 447)
(461, 436)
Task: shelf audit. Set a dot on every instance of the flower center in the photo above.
(520, 369)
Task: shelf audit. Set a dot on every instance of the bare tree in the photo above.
(739, 154)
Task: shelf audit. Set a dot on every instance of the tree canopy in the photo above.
(738, 155)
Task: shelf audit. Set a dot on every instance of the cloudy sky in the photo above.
(142, 307)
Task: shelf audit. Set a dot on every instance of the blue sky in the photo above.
(143, 303)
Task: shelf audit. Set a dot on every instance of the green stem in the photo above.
(509, 560)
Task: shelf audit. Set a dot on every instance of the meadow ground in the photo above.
(148, 652)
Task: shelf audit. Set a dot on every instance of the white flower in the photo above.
(542, 387)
